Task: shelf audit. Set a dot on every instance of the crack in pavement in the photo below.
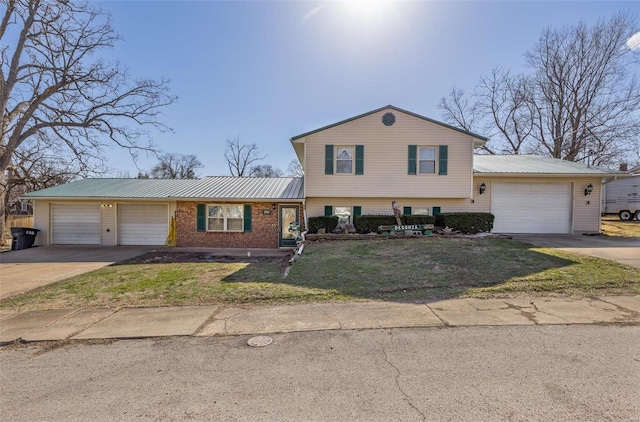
(408, 398)
(332, 318)
(208, 321)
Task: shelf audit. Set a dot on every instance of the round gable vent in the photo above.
(388, 119)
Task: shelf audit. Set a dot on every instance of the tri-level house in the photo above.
(356, 166)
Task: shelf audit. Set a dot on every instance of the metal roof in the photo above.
(532, 164)
(217, 187)
(392, 108)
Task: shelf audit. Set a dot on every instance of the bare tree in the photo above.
(175, 166)
(266, 170)
(580, 101)
(55, 92)
(295, 169)
(241, 157)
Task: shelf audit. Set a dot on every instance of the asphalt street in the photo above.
(515, 373)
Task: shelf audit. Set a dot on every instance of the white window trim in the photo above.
(353, 158)
(224, 224)
(435, 159)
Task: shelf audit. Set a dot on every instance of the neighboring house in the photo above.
(622, 196)
(356, 166)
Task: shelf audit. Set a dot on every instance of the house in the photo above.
(622, 195)
(356, 166)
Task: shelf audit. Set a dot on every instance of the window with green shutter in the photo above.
(413, 149)
(443, 152)
(357, 210)
(247, 218)
(328, 210)
(201, 222)
(435, 211)
(328, 159)
(359, 159)
(406, 210)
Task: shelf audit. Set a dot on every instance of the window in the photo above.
(343, 214)
(228, 218)
(421, 211)
(344, 160)
(427, 160)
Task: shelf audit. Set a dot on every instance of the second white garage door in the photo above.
(531, 207)
(143, 224)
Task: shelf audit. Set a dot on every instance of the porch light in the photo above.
(588, 190)
(273, 206)
(483, 188)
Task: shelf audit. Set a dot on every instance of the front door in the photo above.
(288, 214)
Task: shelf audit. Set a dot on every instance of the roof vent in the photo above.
(388, 119)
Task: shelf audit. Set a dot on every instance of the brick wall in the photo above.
(263, 234)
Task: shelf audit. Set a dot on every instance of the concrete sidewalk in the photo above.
(84, 324)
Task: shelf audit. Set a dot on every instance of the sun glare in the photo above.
(367, 12)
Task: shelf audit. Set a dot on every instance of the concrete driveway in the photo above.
(27, 269)
(621, 249)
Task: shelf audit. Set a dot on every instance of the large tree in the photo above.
(295, 169)
(579, 99)
(175, 166)
(57, 93)
(241, 158)
(266, 170)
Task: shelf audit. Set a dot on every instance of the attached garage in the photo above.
(143, 224)
(75, 224)
(531, 207)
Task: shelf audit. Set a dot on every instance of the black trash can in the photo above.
(22, 237)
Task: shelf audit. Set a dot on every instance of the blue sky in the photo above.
(266, 71)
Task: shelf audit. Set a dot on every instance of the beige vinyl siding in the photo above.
(373, 206)
(385, 160)
(41, 221)
(586, 209)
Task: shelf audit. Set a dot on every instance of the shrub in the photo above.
(328, 223)
(370, 223)
(466, 222)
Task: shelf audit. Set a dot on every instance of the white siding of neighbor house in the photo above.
(386, 157)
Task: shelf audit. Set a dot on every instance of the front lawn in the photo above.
(613, 226)
(407, 269)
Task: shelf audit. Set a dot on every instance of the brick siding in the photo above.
(263, 234)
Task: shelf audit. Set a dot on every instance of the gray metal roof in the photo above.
(218, 187)
(532, 164)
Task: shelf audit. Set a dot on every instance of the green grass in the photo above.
(613, 226)
(407, 269)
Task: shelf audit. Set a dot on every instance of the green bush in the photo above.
(466, 222)
(328, 223)
(369, 223)
(418, 219)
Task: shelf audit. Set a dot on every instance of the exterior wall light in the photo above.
(483, 188)
(588, 190)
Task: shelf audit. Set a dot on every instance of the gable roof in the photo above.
(208, 188)
(532, 165)
(482, 138)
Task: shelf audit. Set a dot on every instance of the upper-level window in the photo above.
(225, 218)
(344, 160)
(427, 160)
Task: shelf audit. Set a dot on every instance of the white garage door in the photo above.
(531, 207)
(143, 224)
(75, 224)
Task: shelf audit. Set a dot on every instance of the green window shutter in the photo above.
(247, 218)
(328, 159)
(357, 211)
(442, 159)
(359, 159)
(201, 221)
(436, 210)
(328, 210)
(406, 210)
(413, 152)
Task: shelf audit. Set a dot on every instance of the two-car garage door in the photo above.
(137, 224)
(531, 207)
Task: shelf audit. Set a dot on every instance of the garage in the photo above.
(531, 207)
(75, 224)
(143, 224)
